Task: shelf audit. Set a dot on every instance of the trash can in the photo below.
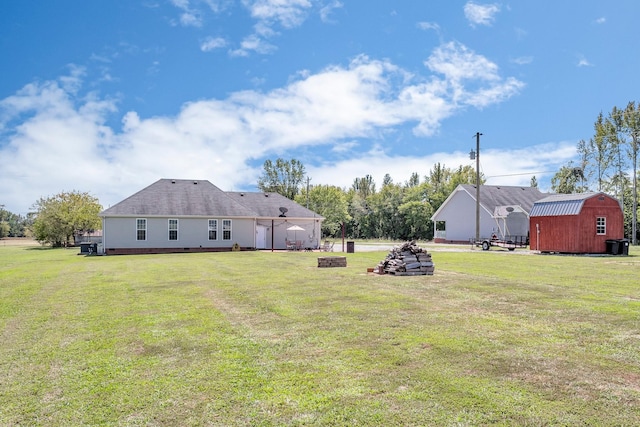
(612, 247)
(351, 247)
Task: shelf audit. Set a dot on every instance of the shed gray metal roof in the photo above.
(561, 204)
(185, 197)
(499, 196)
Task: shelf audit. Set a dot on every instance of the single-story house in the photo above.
(504, 211)
(180, 215)
(575, 223)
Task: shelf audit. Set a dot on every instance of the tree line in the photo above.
(397, 211)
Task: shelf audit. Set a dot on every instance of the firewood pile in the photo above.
(407, 260)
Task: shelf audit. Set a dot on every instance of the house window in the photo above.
(601, 225)
(226, 229)
(141, 229)
(213, 229)
(173, 229)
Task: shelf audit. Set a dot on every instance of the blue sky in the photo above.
(109, 96)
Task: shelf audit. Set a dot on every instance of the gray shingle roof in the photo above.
(267, 205)
(493, 196)
(180, 197)
(561, 204)
(183, 197)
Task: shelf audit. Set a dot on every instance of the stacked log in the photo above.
(407, 260)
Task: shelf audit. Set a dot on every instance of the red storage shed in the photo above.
(575, 223)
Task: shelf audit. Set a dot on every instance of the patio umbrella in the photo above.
(295, 229)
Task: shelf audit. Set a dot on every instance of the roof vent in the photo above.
(173, 181)
(241, 194)
(195, 182)
(266, 194)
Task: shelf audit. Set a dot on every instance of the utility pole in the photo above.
(476, 155)
(634, 141)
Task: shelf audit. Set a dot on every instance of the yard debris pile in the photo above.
(408, 259)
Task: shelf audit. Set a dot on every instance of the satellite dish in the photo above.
(283, 211)
(510, 209)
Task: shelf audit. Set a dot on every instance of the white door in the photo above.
(261, 237)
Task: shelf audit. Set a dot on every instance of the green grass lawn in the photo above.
(262, 338)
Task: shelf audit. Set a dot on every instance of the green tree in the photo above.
(568, 180)
(414, 180)
(631, 131)
(4, 223)
(5, 228)
(284, 177)
(416, 217)
(59, 217)
(384, 216)
(615, 146)
(330, 202)
(16, 224)
(602, 149)
(442, 181)
(358, 200)
(364, 187)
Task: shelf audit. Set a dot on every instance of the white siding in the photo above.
(192, 233)
(459, 214)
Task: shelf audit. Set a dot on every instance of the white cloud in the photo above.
(190, 17)
(465, 70)
(53, 139)
(327, 10)
(481, 14)
(253, 43)
(218, 6)
(522, 60)
(288, 13)
(428, 26)
(457, 63)
(270, 17)
(601, 20)
(583, 62)
(212, 43)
